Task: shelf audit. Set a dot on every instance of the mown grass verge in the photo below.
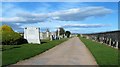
(105, 56)
(9, 47)
(26, 51)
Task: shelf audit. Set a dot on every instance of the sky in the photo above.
(59, 0)
(76, 17)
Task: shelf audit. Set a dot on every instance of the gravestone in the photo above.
(58, 33)
(117, 44)
(110, 42)
(32, 35)
(41, 35)
(47, 33)
(87, 37)
(55, 35)
(81, 35)
(51, 37)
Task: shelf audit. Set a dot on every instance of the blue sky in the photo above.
(77, 17)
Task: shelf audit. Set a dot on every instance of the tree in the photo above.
(67, 33)
(9, 37)
(6, 28)
(62, 31)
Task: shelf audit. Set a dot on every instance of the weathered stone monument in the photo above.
(58, 35)
(53, 36)
(47, 33)
(32, 35)
(41, 35)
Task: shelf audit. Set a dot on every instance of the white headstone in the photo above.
(55, 35)
(58, 32)
(51, 37)
(41, 35)
(81, 35)
(32, 35)
(117, 44)
(47, 34)
(58, 35)
(110, 42)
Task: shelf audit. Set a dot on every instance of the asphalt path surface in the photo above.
(70, 52)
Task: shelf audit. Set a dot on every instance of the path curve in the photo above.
(71, 52)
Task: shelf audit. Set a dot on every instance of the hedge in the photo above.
(9, 37)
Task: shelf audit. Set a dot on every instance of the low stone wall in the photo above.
(111, 38)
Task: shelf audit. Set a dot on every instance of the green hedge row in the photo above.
(11, 38)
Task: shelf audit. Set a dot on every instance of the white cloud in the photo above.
(78, 14)
(13, 19)
(75, 14)
(85, 25)
(17, 23)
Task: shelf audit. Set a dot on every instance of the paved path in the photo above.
(71, 52)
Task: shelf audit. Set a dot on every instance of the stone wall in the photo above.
(110, 38)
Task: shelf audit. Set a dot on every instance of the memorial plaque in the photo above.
(32, 35)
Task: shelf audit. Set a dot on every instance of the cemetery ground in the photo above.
(70, 52)
(104, 55)
(14, 53)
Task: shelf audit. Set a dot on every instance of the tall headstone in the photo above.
(41, 35)
(117, 44)
(81, 35)
(47, 33)
(58, 33)
(51, 37)
(110, 42)
(32, 35)
(55, 35)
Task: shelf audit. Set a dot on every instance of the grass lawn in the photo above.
(13, 54)
(103, 54)
(9, 47)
